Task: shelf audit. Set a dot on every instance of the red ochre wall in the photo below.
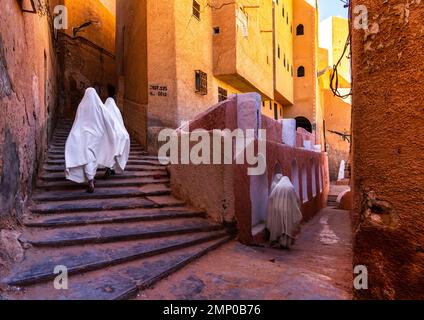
(28, 90)
(224, 116)
(388, 149)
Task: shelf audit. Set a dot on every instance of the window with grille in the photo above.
(196, 9)
(201, 82)
(222, 94)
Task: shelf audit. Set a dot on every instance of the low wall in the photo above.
(227, 193)
(290, 162)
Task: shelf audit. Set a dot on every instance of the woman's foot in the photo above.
(109, 172)
(90, 186)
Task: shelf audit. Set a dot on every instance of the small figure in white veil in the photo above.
(95, 141)
(284, 215)
(124, 138)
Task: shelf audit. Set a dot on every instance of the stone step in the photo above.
(101, 183)
(102, 193)
(107, 217)
(132, 153)
(59, 162)
(131, 157)
(60, 176)
(57, 150)
(61, 168)
(57, 144)
(123, 281)
(69, 206)
(72, 236)
(60, 136)
(62, 146)
(40, 267)
(91, 205)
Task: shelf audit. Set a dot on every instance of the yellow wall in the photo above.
(305, 54)
(131, 53)
(337, 112)
(268, 107)
(101, 31)
(173, 43)
(333, 33)
(244, 62)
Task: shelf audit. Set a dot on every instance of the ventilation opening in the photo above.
(301, 72)
(300, 30)
(196, 9)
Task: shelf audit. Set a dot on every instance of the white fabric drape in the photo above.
(122, 135)
(283, 211)
(95, 140)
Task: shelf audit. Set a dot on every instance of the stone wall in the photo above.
(28, 70)
(388, 144)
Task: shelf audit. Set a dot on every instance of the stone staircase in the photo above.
(332, 201)
(123, 238)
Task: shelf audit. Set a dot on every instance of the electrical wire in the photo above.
(334, 80)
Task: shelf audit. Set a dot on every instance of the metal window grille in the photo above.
(222, 94)
(201, 82)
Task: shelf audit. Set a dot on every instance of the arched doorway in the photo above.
(302, 122)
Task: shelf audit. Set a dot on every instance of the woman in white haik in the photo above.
(284, 214)
(94, 141)
(124, 138)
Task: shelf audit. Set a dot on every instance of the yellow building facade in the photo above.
(333, 33)
(178, 58)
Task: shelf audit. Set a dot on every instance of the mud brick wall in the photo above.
(388, 148)
(27, 102)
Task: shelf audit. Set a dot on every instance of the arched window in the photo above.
(302, 122)
(301, 72)
(300, 30)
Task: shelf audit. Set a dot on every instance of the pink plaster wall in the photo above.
(236, 182)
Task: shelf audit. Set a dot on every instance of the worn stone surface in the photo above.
(319, 266)
(9, 241)
(120, 281)
(39, 265)
(112, 242)
(388, 144)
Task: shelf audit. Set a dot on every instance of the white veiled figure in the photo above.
(283, 211)
(92, 142)
(123, 138)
